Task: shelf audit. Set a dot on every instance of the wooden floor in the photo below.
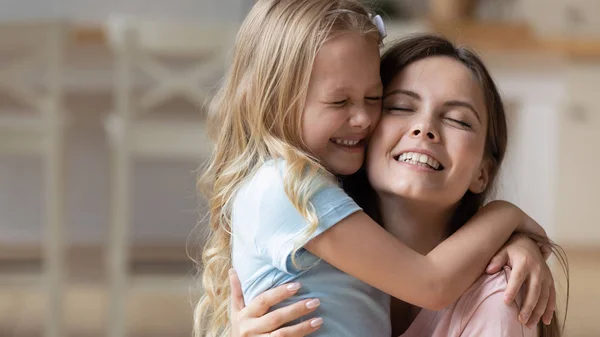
(584, 304)
(154, 310)
(160, 304)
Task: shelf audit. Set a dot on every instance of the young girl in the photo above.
(440, 98)
(301, 98)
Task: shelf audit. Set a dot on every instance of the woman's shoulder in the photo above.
(488, 290)
(488, 284)
(482, 309)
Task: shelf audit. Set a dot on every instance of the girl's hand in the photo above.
(256, 320)
(528, 225)
(528, 264)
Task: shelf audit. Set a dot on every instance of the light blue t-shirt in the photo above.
(266, 229)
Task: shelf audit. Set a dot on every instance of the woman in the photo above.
(432, 159)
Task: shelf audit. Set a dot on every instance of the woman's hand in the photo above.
(528, 263)
(256, 320)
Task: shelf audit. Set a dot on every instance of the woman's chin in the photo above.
(416, 193)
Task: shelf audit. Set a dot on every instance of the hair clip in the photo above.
(378, 22)
(376, 19)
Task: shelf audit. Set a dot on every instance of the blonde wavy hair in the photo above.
(256, 116)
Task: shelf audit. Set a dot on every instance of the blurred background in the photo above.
(101, 137)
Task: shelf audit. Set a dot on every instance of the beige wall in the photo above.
(165, 203)
(579, 151)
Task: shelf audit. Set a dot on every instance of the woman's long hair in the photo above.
(418, 47)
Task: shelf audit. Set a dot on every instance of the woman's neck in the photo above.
(421, 226)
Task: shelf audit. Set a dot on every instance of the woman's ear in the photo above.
(481, 179)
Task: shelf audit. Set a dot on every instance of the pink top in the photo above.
(480, 311)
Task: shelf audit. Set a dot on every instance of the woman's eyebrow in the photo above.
(403, 92)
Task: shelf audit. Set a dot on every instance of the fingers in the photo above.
(517, 277)
(533, 294)
(497, 262)
(260, 305)
(546, 251)
(281, 316)
(551, 307)
(237, 297)
(256, 321)
(540, 307)
(299, 330)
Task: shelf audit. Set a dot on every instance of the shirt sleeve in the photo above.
(281, 227)
(488, 315)
(495, 319)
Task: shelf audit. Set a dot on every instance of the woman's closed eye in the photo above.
(399, 109)
(459, 122)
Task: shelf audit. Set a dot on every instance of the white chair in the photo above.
(30, 74)
(140, 48)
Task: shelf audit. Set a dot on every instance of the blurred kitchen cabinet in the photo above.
(205, 11)
(578, 19)
(579, 158)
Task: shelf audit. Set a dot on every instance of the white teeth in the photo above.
(346, 142)
(419, 158)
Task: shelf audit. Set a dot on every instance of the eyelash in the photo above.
(461, 123)
(343, 102)
(400, 109)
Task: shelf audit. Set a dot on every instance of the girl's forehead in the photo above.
(346, 60)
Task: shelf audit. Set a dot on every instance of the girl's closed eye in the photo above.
(373, 99)
(339, 103)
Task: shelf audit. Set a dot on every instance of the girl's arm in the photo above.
(360, 247)
(521, 254)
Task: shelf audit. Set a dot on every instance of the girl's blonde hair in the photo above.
(256, 116)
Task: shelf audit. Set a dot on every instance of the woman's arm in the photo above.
(360, 247)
